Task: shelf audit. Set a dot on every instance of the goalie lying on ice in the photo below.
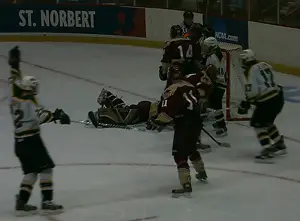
(114, 111)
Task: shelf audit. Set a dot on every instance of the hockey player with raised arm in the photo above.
(180, 104)
(29, 148)
(214, 56)
(262, 91)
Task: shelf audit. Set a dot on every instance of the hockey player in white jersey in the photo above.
(262, 91)
(29, 148)
(214, 56)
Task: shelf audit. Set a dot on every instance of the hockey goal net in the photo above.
(235, 82)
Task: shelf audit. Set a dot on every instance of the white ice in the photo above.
(121, 175)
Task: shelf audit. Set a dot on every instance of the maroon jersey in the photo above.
(202, 82)
(180, 49)
(178, 100)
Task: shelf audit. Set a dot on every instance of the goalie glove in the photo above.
(60, 115)
(162, 75)
(14, 57)
(244, 107)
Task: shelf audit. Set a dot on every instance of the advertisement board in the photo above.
(104, 20)
(230, 31)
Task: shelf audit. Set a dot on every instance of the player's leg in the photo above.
(259, 121)
(24, 150)
(180, 154)
(45, 165)
(276, 105)
(216, 103)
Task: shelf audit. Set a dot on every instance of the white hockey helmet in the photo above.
(247, 56)
(209, 44)
(29, 83)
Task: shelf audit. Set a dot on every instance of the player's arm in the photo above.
(47, 116)
(165, 62)
(14, 59)
(251, 91)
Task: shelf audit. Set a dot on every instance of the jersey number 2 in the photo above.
(188, 54)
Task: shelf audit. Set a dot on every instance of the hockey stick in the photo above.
(221, 144)
(102, 125)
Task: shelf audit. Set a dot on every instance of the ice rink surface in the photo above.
(122, 175)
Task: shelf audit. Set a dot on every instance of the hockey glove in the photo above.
(244, 107)
(60, 115)
(154, 124)
(162, 75)
(14, 57)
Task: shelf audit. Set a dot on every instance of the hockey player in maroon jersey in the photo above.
(179, 49)
(180, 104)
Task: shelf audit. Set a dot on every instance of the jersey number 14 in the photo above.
(188, 54)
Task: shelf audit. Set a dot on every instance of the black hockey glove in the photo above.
(244, 107)
(14, 57)
(153, 124)
(162, 75)
(60, 115)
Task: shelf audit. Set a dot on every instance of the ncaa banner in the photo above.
(229, 30)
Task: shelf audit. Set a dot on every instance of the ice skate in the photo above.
(24, 209)
(279, 148)
(265, 156)
(202, 176)
(204, 148)
(185, 191)
(50, 208)
(221, 131)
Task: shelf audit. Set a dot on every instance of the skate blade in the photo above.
(178, 195)
(222, 135)
(202, 181)
(51, 212)
(280, 153)
(265, 161)
(25, 213)
(208, 150)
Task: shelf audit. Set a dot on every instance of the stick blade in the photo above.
(227, 145)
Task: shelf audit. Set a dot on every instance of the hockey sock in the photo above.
(219, 117)
(27, 187)
(263, 137)
(274, 134)
(183, 170)
(115, 101)
(197, 162)
(46, 184)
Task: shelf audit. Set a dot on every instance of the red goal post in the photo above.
(235, 82)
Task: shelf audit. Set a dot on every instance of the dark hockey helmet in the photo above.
(175, 31)
(196, 31)
(176, 71)
(188, 14)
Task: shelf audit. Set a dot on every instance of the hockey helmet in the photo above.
(188, 14)
(209, 45)
(246, 57)
(196, 31)
(175, 31)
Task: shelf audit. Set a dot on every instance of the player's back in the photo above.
(180, 49)
(261, 84)
(26, 120)
(180, 100)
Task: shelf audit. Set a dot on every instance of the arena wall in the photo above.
(141, 27)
